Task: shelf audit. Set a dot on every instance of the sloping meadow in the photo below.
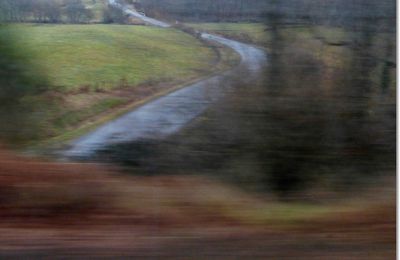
(76, 72)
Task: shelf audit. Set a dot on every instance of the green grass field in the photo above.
(101, 56)
(92, 69)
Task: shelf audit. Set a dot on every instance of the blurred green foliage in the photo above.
(19, 80)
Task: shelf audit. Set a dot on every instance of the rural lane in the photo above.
(136, 14)
(166, 115)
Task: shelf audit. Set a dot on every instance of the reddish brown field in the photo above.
(83, 210)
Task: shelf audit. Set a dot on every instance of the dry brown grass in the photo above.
(52, 208)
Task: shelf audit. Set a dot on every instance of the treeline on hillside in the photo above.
(50, 11)
(336, 12)
(204, 10)
(343, 13)
(57, 11)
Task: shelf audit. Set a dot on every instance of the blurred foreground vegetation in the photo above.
(86, 211)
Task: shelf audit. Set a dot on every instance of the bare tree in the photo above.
(77, 12)
(112, 14)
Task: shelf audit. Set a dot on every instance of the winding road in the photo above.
(168, 114)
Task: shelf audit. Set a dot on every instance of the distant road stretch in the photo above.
(136, 14)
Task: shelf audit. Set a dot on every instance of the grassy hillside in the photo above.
(91, 69)
(102, 55)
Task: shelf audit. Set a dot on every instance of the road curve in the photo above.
(136, 14)
(168, 114)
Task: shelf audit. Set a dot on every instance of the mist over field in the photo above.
(189, 129)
